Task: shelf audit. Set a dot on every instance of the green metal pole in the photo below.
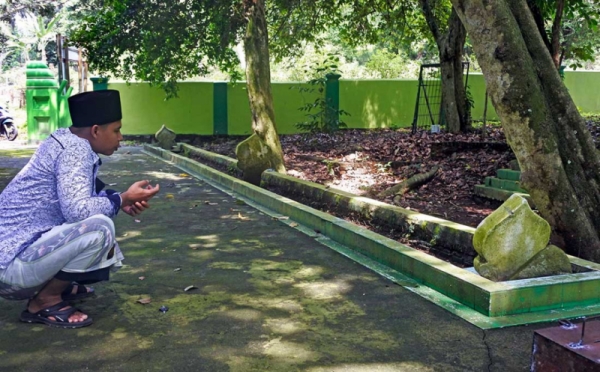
(220, 119)
(332, 97)
(100, 83)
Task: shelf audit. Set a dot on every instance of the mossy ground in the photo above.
(268, 298)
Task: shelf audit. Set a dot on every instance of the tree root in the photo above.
(409, 184)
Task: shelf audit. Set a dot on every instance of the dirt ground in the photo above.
(368, 162)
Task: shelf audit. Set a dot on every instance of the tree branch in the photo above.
(539, 22)
(430, 18)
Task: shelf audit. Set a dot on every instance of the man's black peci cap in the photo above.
(98, 107)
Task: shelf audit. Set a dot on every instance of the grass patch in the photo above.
(17, 153)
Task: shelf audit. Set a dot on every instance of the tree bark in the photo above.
(559, 163)
(556, 32)
(450, 47)
(258, 76)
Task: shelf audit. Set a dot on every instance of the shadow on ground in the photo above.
(268, 299)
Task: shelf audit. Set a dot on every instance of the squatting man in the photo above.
(56, 232)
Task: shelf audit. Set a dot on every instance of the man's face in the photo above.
(106, 138)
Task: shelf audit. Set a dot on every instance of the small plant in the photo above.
(383, 168)
(434, 240)
(231, 169)
(322, 117)
(411, 230)
(469, 105)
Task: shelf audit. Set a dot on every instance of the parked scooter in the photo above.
(7, 126)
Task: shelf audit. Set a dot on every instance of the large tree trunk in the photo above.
(559, 163)
(450, 47)
(262, 150)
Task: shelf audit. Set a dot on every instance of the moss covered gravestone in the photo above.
(165, 138)
(253, 158)
(512, 243)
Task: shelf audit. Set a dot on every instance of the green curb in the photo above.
(221, 162)
(479, 301)
(508, 174)
(438, 232)
(504, 184)
(500, 194)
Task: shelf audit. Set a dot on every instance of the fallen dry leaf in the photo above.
(183, 175)
(142, 278)
(190, 287)
(242, 217)
(144, 301)
(293, 224)
(281, 218)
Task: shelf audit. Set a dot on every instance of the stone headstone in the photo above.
(550, 261)
(512, 243)
(253, 158)
(165, 138)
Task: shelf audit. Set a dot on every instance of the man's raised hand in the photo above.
(135, 200)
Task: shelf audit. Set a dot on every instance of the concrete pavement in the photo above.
(268, 298)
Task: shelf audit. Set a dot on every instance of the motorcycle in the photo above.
(7, 126)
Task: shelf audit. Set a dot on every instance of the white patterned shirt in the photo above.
(57, 186)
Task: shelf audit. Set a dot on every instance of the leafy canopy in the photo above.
(162, 42)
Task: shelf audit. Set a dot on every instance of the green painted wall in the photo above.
(238, 110)
(584, 87)
(477, 89)
(378, 103)
(286, 101)
(145, 108)
(389, 103)
(371, 103)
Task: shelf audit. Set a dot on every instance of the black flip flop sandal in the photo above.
(82, 292)
(61, 317)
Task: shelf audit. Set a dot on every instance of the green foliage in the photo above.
(579, 33)
(160, 42)
(27, 29)
(388, 65)
(169, 41)
(9, 9)
(322, 117)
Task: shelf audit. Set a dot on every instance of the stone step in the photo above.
(508, 174)
(504, 184)
(499, 194)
